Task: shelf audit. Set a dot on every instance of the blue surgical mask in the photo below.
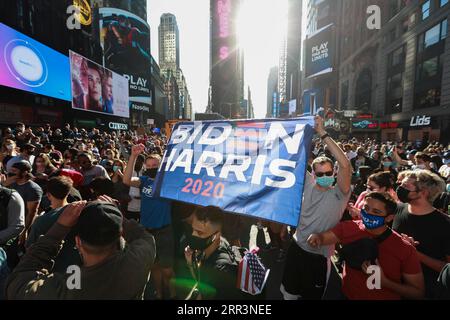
(387, 164)
(325, 181)
(370, 221)
(115, 168)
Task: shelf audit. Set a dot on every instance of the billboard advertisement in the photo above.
(319, 52)
(28, 65)
(125, 37)
(97, 89)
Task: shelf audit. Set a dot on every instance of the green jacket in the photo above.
(122, 276)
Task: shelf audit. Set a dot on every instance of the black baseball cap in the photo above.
(100, 224)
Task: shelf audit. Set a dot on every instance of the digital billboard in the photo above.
(319, 52)
(125, 37)
(97, 89)
(28, 65)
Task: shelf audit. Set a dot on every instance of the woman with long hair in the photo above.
(43, 165)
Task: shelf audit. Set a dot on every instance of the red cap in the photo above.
(76, 177)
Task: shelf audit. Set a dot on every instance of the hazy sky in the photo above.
(261, 27)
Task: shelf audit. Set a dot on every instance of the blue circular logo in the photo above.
(26, 63)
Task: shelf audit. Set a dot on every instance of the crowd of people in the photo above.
(72, 198)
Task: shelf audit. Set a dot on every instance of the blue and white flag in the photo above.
(253, 167)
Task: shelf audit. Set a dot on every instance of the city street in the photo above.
(147, 147)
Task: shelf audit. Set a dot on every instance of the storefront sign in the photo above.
(139, 107)
(420, 121)
(118, 126)
(365, 116)
(350, 113)
(332, 124)
(365, 124)
(389, 125)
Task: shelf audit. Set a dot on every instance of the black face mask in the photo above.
(200, 244)
(403, 194)
(151, 173)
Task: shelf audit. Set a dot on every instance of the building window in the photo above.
(344, 95)
(429, 66)
(444, 26)
(426, 6)
(397, 57)
(394, 94)
(433, 36)
(394, 85)
(363, 92)
(443, 2)
(428, 69)
(428, 98)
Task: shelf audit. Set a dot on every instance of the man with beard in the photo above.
(19, 179)
(89, 172)
(156, 218)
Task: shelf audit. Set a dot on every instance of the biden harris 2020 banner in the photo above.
(252, 167)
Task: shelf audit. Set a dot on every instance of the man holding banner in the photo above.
(307, 269)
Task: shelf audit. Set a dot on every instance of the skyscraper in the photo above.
(180, 104)
(290, 56)
(293, 49)
(226, 60)
(272, 93)
(169, 43)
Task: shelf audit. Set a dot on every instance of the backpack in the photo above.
(5, 196)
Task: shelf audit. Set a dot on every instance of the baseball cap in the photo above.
(100, 224)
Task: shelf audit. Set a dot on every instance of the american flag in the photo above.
(252, 275)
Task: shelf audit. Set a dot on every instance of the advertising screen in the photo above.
(319, 49)
(28, 65)
(125, 37)
(97, 89)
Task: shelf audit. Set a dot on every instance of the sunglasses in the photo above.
(321, 174)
